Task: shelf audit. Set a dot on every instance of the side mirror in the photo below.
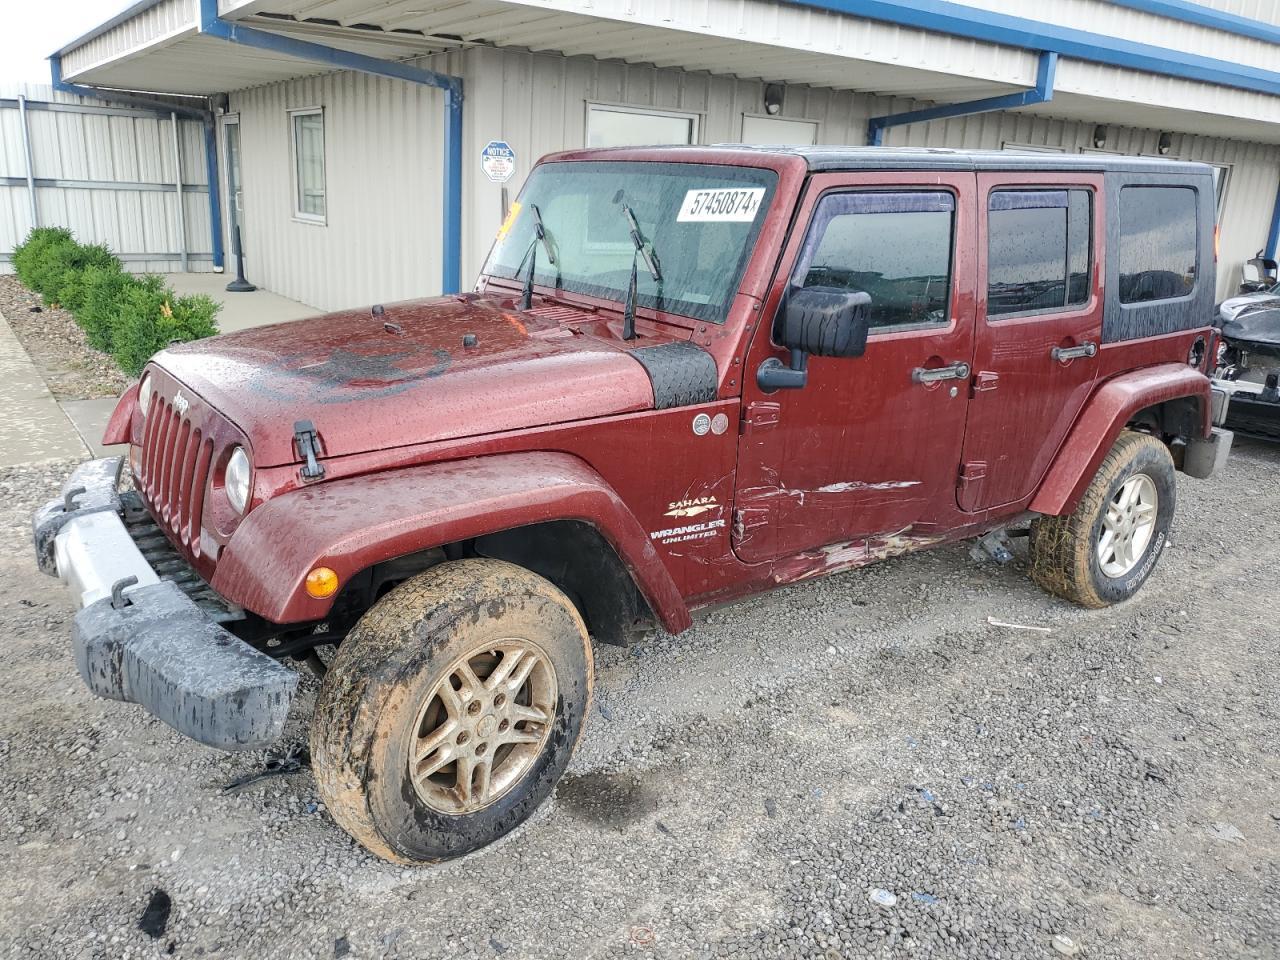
(823, 321)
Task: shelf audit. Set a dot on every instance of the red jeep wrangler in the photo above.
(685, 375)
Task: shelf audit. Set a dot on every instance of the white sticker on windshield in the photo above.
(734, 206)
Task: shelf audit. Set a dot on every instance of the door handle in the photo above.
(1063, 354)
(955, 371)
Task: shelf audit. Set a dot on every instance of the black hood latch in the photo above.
(307, 444)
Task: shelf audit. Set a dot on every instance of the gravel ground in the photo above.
(744, 790)
(72, 369)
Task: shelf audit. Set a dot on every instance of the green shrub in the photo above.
(151, 318)
(127, 316)
(102, 289)
(30, 255)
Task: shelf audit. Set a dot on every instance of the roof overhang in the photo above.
(157, 46)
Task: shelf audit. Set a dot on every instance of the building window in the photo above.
(1158, 257)
(627, 127)
(894, 246)
(778, 132)
(1038, 251)
(308, 164)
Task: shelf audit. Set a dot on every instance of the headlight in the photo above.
(237, 479)
(144, 394)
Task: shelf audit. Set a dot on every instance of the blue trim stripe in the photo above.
(1185, 11)
(942, 16)
(1046, 71)
(215, 26)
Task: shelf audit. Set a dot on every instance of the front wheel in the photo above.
(451, 710)
(1104, 551)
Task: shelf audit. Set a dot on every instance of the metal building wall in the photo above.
(383, 148)
(537, 102)
(108, 175)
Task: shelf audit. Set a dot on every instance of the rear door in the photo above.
(1039, 328)
(871, 444)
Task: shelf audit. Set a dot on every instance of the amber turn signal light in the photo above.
(322, 582)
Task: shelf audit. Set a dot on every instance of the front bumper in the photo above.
(141, 638)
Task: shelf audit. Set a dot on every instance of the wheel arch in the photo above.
(354, 524)
(1169, 400)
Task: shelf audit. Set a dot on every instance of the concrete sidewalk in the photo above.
(33, 428)
(240, 311)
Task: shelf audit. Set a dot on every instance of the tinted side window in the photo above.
(1157, 243)
(1039, 246)
(894, 246)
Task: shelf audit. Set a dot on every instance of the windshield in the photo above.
(699, 222)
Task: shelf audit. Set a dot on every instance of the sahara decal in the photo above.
(693, 507)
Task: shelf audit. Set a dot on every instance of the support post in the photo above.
(1042, 92)
(452, 272)
(177, 182)
(229, 30)
(215, 192)
(26, 152)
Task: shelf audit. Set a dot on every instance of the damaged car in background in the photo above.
(685, 375)
(1247, 373)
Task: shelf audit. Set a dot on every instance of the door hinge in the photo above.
(983, 381)
(761, 415)
(971, 472)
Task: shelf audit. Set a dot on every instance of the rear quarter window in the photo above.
(1158, 243)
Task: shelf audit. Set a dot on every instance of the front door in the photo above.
(871, 445)
(1038, 329)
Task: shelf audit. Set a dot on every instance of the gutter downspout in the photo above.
(1273, 235)
(162, 109)
(1042, 92)
(215, 26)
(26, 153)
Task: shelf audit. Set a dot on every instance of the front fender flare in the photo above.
(349, 525)
(1110, 408)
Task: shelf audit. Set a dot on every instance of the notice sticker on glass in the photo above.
(721, 206)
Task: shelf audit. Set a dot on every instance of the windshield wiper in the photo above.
(531, 255)
(650, 261)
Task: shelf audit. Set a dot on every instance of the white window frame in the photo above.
(695, 129)
(742, 127)
(300, 215)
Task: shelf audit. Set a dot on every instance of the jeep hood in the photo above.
(417, 372)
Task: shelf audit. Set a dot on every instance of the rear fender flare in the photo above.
(1113, 405)
(351, 524)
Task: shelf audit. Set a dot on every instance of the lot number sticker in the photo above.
(723, 206)
(498, 161)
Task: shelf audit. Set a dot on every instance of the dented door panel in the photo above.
(871, 446)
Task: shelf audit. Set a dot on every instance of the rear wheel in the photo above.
(451, 710)
(1104, 551)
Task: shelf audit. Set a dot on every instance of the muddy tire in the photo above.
(1104, 551)
(451, 710)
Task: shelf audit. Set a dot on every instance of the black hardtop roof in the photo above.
(829, 158)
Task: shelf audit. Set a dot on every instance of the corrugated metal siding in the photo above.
(383, 154)
(381, 240)
(156, 24)
(113, 151)
(537, 103)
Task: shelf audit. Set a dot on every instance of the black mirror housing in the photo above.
(825, 321)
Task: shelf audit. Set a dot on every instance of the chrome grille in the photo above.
(174, 471)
